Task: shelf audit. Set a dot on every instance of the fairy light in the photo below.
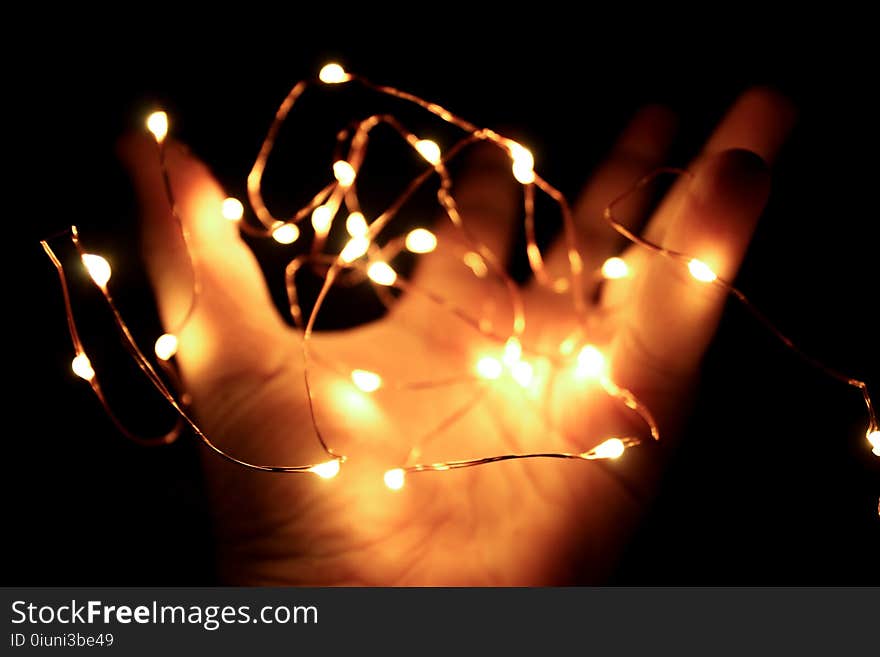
(286, 234)
(166, 346)
(395, 478)
(322, 217)
(612, 448)
(381, 273)
(489, 368)
(356, 225)
(421, 240)
(354, 249)
(232, 209)
(366, 380)
(157, 123)
(344, 173)
(326, 470)
(98, 268)
(874, 441)
(429, 150)
(82, 367)
(615, 268)
(589, 362)
(333, 74)
(701, 271)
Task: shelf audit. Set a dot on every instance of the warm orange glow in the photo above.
(429, 150)
(157, 123)
(489, 368)
(523, 164)
(166, 346)
(232, 209)
(82, 367)
(322, 217)
(476, 263)
(344, 173)
(701, 271)
(98, 268)
(611, 449)
(381, 273)
(286, 234)
(590, 362)
(326, 470)
(395, 478)
(421, 240)
(333, 74)
(356, 247)
(615, 268)
(366, 380)
(356, 225)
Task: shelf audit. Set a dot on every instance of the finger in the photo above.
(465, 261)
(233, 329)
(642, 147)
(673, 316)
(759, 121)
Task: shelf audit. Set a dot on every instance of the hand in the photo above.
(519, 522)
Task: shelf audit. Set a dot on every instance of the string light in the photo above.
(615, 268)
(421, 240)
(82, 367)
(356, 225)
(701, 271)
(157, 123)
(166, 346)
(232, 209)
(366, 380)
(286, 234)
(382, 273)
(98, 268)
(588, 363)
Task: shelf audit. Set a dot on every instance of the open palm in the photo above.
(519, 522)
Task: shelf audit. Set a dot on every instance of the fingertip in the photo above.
(760, 120)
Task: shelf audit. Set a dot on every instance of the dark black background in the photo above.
(774, 482)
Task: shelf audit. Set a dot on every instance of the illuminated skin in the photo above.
(520, 522)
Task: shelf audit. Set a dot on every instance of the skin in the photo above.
(513, 523)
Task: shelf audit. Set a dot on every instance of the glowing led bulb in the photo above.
(615, 268)
(286, 234)
(512, 351)
(344, 173)
(82, 367)
(322, 217)
(157, 123)
(98, 268)
(874, 440)
(356, 225)
(611, 449)
(701, 271)
(489, 368)
(366, 380)
(523, 164)
(590, 362)
(421, 240)
(333, 74)
(166, 346)
(429, 150)
(522, 371)
(356, 247)
(232, 209)
(326, 470)
(395, 478)
(381, 273)
(476, 263)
